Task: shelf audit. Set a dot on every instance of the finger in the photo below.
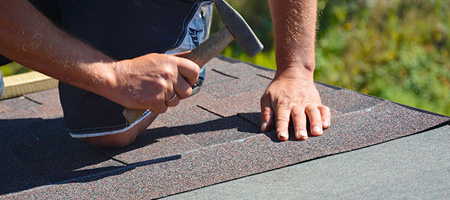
(326, 116)
(282, 115)
(315, 120)
(188, 70)
(174, 101)
(299, 120)
(266, 114)
(160, 108)
(182, 88)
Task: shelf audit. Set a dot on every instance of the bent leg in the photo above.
(121, 139)
(97, 120)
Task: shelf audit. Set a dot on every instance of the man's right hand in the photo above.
(145, 82)
(149, 81)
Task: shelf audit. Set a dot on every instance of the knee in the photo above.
(122, 139)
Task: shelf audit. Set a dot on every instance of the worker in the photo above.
(113, 54)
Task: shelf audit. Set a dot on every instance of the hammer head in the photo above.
(237, 26)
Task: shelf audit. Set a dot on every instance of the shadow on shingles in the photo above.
(113, 171)
(237, 127)
(254, 118)
(209, 132)
(218, 125)
(43, 148)
(36, 152)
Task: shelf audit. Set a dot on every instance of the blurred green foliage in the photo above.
(13, 68)
(394, 49)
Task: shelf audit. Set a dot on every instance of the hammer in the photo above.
(235, 29)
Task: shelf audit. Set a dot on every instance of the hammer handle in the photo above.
(211, 47)
(200, 55)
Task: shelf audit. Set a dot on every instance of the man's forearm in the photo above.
(294, 25)
(30, 39)
(292, 96)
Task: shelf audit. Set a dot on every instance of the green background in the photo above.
(393, 49)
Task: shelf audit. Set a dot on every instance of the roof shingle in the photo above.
(209, 138)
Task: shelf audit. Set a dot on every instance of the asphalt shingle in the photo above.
(153, 144)
(209, 138)
(15, 175)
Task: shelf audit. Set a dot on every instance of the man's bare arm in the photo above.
(30, 39)
(292, 93)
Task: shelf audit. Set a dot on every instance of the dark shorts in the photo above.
(122, 29)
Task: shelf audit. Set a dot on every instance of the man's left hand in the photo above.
(289, 98)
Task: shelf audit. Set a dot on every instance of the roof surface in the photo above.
(413, 167)
(209, 138)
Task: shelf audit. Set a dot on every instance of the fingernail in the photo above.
(326, 124)
(263, 126)
(303, 135)
(317, 129)
(283, 135)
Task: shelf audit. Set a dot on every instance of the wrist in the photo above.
(296, 70)
(112, 76)
(104, 79)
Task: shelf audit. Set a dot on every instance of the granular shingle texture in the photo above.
(209, 138)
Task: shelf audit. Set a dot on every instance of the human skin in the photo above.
(292, 94)
(146, 82)
(30, 39)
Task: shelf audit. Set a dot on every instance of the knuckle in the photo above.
(282, 119)
(324, 108)
(282, 107)
(282, 102)
(168, 72)
(311, 109)
(298, 115)
(157, 100)
(159, 87)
